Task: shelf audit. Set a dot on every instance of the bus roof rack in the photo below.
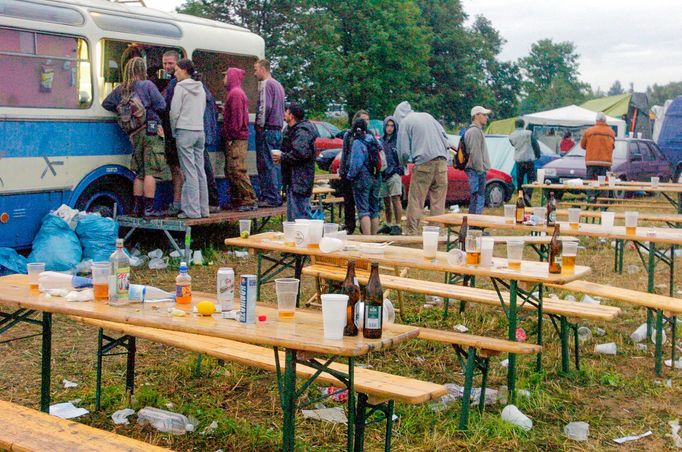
(141, 2)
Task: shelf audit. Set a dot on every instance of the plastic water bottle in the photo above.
(120, 274)
(56, 280)
(164, 421)
(183, 286)
(140, 292)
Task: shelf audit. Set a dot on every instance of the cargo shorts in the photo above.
(148, 156)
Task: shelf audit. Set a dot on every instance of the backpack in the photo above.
(132, 115)
(461, 154)
(376, 157)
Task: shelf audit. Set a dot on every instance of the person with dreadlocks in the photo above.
(363, 173)
(148, 160)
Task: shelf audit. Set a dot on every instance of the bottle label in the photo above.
(373, 317)
(183, 291)
(122, 276)
(552, 217)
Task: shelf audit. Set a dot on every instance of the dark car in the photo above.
(634, 159)
(326, 157)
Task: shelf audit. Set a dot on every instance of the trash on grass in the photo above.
(504, 363)
(569, 297)
(584, 334)
(210, 428)
(589, 300)
(577, 431)
(600, 332)
(460, 328)
(241, 254)
(675, 434)
(606, 349)
(640, 334)
(175, 254)
(521, 335)
(678, 363)
(642, 347)
(339, 397)
(120, 417)
(156, 254)
(514, 416)
(69, 384)
(197, 258)
(164, 421)
(626, 439)
(334, 415)
(67, 410)
(158, 263)
(433, 300)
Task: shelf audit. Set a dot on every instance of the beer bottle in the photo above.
(520, 208)
(555, 248)
(463, 231)
(374, 305)
(551, 210)
(351, 288)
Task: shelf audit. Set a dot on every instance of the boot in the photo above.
(138, 206)
(149, 208)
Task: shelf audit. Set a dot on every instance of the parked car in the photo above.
(326, 157)
(328, 136)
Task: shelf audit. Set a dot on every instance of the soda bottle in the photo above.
(120, 273)
(374, 303)
(555, 248)
(352, 289)
(520, 208)
(183, 286)
(551, 210)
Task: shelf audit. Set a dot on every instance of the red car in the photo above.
(328, 136)
(499, 187)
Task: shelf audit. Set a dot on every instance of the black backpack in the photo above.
(374, 162)
(461, 154)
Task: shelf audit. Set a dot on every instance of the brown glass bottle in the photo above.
(520, 208)
(551, 210)
(463, 230)
(555, 249)
(374, 305)
(351, 288)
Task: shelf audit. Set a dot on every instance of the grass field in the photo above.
(617, 395)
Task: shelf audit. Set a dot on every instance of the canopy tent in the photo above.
(615, 106)
(501, 126)
(632, 107)
(571, 116)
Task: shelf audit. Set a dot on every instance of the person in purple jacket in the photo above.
(236, 135)
(269, 123)
(148, 160)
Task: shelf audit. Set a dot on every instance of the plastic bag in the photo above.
(11, 262)
(56, 245)
(98, 236)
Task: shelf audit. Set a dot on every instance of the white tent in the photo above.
(571, 116)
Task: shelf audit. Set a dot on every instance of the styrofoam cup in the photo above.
(334, 315)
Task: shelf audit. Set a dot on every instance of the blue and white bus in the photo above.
(58, 61)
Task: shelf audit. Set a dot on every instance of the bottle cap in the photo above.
(183, 266)
(262, 318)
(119, 243)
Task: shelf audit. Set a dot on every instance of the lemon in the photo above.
(205, 308)
(244, 234)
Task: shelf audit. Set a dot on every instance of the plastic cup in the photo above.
(315, 230)
(334, 315)
(612, 181)
(289, 228)
(301, 234)
(539, 214)
(101, 272)
(330, 228)
(341, 235)
(287, 292)
(330, 244)
(601, 180)
(275, 152)
(540, 179)
(430, 243)
(244, 228)
(487, 245)
(432, 229)
(654, 181)
(573, 217)
(34, 271)
(568, 254)
(607, 219)
(472, 245)
(514, 254)
(509, 213)
(631, 222)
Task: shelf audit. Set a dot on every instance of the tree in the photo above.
(615, 89)
(658, 94)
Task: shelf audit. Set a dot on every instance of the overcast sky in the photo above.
(628, 40)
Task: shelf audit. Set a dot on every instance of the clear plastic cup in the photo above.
(330, 228)
(514, 254)
(301, 237)
(654, 181)
(430, 243)
(487, 245)
(432, 229)
(101, 272)
(289, 228)
(607, 219)
(34, 271)
(287, 292)
(568, 254)
(601, 180)
(631, 222)
(315, 230)
(334, 315)
(612, 181)
(472, 245)
(341, 235)
(539, 214)
(509, 213)
(244, 228)
(573, 217)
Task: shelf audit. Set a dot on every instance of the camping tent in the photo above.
(632, 107)
(571, 116)
(501, 126)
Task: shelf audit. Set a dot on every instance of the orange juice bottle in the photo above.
(183, 286)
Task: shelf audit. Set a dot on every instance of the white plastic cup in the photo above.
(612, 181)
(334, 315)
(514, 416)
(244, 227)
(287, 292)
(574, 217)
(577, 431)
(606, 349)
(432, 229)
(607, 219)
(34, 271)
(289, 228)
(539, 214)
(654, 181)
(514, 254)
(509, 213)
(341, 235)
(275, 152)
(569, 248)
(330, 244)
(430, 243)
(487, 245)
(301, 234)
(601, 180)
(631, 222)
(315, 230)
(330, 228)
(540, 179)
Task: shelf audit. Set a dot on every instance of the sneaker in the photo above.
(395, 230)
(182, 216)
(213, 209)
(247, 208)
(265, 205)
(154, 214)
(172, 210)
(384, 229)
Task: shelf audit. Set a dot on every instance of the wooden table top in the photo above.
(642, 234)
(326, 177)
(644, 216)
(323, 191)
(531, 271)
(304, 333)
(643, 186)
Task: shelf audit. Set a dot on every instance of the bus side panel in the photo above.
(26, 212)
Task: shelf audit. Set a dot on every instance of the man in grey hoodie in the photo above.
(187, 124)
(422, 140)
(526, 152)
(479, 160)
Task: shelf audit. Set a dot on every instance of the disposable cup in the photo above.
(435, 229)
(601, 180)
(430, 243)
(101, 272)
(487, 245)
(334, 315)
(539, 214)
(606, 349)
(34, 271)
(301, 234)
(315, 230)
(569, 248)
(573, 217)
(275, 152)
(514, 254)
(607, 219)
(287, 292)
(509, 213)
(472, 245)
(631, 222)
(341, 235)
(654, 181)
(330, 228)
(612, 181)
(244, 228)
(540, 176)
(289, 228)
(330, 244)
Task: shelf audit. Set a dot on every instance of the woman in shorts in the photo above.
(392, 180)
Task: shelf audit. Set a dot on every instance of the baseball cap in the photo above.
(478, 109)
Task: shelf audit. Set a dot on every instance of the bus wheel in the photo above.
(103, 195)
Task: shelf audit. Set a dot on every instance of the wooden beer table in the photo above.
(535, 274)
(670, 219)
(302, 338)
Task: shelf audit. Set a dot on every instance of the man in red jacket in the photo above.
(235, 132)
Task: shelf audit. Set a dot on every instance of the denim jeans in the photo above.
(298, 206)
(366, 195)
(477, 190)
(269, 174)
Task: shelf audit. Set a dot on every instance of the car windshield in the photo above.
(576, 151)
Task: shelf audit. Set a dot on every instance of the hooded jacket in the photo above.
(298, 157)
(598, 142)
(210, 117)
(390, 145)
(187, 106)
(420, 137)
(236, 108)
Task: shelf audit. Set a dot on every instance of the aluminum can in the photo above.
(225, 289)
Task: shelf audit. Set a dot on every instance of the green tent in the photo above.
(633, 107)
(614, 106)
(501, 126)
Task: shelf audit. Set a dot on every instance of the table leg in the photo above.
(288, 402)
(564, 344)
(46, 363)
(538, 362)
(659, 343)
(351, 404)
(188, 244)
(651, 267)
(511, 369)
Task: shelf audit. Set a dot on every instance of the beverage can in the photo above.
(247, 299)
(225, 289)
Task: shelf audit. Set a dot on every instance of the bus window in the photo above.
(44, 70)
(117, 53)
(212, 65)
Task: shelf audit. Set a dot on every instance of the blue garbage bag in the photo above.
(98, 236)
(56, 244)
(11, 262)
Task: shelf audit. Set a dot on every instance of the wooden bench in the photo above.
(557, 310)
(604, 205)
(633, 201)
(328, 203)
(24, 429)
